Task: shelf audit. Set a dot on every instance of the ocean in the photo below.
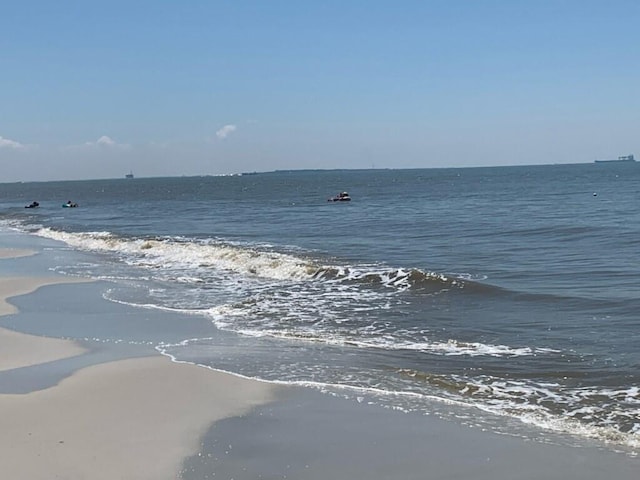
(506, 298)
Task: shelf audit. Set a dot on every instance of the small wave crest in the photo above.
(189, 255)
(397, 278)
(174, 252)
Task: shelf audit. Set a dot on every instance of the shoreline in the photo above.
(129, 418)
(21, 349)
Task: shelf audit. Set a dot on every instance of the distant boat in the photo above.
(341, 197)
(624, 158)
(129, 175)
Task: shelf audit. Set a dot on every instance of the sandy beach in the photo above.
(130, 419)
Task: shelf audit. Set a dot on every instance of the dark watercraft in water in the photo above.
(32, 205)
(129, 175)
(69, 204)
(341, 197)
(624, 158)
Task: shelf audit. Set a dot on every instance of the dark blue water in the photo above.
(509, 292)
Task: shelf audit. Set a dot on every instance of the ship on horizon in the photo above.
(129, 175)
(624, 158)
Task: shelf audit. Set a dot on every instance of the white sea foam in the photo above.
(610, 415)
(242, 319)
(171, 252)
(473, 349)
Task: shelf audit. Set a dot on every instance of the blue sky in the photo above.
(94, 89)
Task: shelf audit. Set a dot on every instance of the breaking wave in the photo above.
(251, 260)
(176, 252)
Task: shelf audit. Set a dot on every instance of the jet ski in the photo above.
(341, 197)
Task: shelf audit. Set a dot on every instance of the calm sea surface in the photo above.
(507, 297)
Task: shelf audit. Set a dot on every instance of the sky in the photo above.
(96, 89)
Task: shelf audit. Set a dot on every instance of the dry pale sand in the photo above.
(131, 419)
(22, 350)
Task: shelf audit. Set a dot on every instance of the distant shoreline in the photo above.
(303, 170)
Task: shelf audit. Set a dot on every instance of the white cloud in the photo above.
(225, 131)
(106, 142)
(6, 143)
